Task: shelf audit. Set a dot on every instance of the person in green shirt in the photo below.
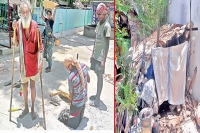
(100, 50)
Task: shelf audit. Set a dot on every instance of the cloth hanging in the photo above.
(170, 73)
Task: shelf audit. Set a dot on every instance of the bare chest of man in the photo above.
(27, 34)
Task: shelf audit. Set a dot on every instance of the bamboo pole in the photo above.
(41, 85)
(42, 101)
(13, 61)
(158, 30)
(190, 41)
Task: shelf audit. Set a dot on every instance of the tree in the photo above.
(152, 14)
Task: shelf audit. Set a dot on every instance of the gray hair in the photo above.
(25, 2)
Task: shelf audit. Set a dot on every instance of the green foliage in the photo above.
(39, 3)
(123, 5)
(84, 1)
(151, 15)
(126, 89)
(71, 3)
(122, 44)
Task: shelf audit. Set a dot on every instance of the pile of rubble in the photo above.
(168, 34)
(64, 116)
(182, 121)
(186, 117)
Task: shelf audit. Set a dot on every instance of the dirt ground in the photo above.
(97, 118)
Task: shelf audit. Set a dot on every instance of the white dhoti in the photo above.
(26, 79)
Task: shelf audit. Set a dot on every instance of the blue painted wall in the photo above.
(67, 19)
(76, 18)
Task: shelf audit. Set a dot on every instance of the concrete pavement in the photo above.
(100, 119)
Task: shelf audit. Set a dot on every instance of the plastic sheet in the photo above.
(148, 93)
(150, 72)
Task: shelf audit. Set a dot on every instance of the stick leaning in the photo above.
(13, 61)
(41, 85)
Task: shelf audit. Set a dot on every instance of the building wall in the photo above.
(179, 12)
(75, 22)
(67, 19)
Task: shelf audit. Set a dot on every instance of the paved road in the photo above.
(100, 119)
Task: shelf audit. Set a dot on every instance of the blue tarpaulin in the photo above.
(150, 72)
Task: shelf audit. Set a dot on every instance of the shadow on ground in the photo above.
(102, 106)
(83, 123)
(28, 123)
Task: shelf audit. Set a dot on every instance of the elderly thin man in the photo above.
(27, 39)
(78, 84)
(100, 51)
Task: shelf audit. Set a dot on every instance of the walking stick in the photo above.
(13, 61)
(41, 85)
(42, 101)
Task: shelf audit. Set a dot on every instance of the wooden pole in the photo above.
(13, 62)
(42, 101)
(190, 42)
(158, 30)
(9, 29)
(41, 84)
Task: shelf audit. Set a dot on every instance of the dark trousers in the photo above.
(96, 66)
(76, 115)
